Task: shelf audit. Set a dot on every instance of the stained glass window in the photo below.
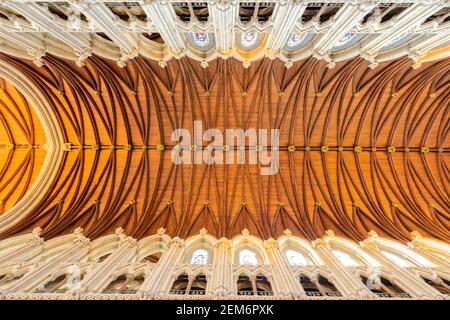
(397, 39)
(344, 39)
(199, 256)
(247, 256)
(295, 258)
(249, 39)
(398, 260)
(201, 39)
(346, 259)
(296, 39)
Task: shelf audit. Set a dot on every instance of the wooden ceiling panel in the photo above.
(343, 123)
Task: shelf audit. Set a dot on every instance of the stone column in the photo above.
(102, 275)
(162, 277)
(222, 274)
(31, 246)
(285, 281)
(427, 247)
(346, 282)
(36, 276)
(402, 277)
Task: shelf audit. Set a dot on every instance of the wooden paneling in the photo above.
(104, 107)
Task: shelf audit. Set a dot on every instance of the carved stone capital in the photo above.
(271, 243)
(222, 4)
(129, 242)
(318, 243)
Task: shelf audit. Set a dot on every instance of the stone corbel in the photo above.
(34, 239)
(37, 55)
(82, 55)
(271, 243)
(318, 243)
(373, 63)
(222, 4)
(126, 56)
(416, 57)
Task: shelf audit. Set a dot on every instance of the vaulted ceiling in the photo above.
(291, 30)
(360, 148)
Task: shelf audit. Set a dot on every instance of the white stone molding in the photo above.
(403, 277)
(344, 279)
(221, 280)
(405, 22)
(163, 16)
(163, 275)
(56, 256)
(224, 19)
(286, 16)
(78, 247)
(45, 32)
(54, 137)
(283, 276)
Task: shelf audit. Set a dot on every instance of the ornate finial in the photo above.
(170, 93)
(307, 148)
(37, 231)
(291, 148)
(160, 147)
(415, 235)
(318, 93)
(119, 231)
(287, 232)
(206, 202)
(207, 94)
(324, 148)
(358, 149)
(340, 148)
(372, 234)
(270, 243)
(281, 94)
(203, 231)
(245, 232)
(329, 233)
(246, 64)
(128, 242)
(424, 149)
(317, 243)
(244, 93)
(127, 147)
(78, 231)
(161, 231)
